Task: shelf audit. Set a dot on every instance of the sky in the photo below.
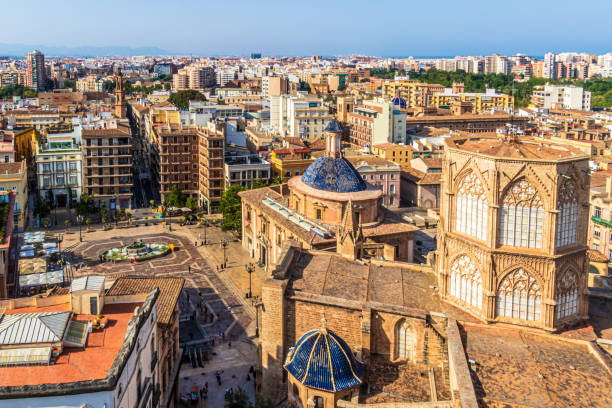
(332, 27)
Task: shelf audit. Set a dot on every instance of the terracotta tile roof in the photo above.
(526, 148)
(169, 292)
(294, 142)
(411, 174)
(598, 178)
(121, 129)
(596, 256)
(517, 367)
(432, 162)
(338, 277)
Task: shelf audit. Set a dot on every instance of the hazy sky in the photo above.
(331, 27)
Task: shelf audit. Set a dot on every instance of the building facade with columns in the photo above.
(513, 228)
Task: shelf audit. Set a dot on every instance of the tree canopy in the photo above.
(86, 205)
(181, 99)
(17, 90)
(231, 208)
(175, 198)
(601, 88)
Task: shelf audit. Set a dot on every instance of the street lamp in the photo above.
(250, 268)
(80, 221)
(256, 304)
(224, 244)
(205, 222)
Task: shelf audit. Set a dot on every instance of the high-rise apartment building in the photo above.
(36, 75)
(561, 97)
(193, 77)
(548, 69)
(107, 166)
(211, 151)
(480, 102)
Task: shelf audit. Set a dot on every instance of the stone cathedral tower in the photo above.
(512, 233)
(120, 103)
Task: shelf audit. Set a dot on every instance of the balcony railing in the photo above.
(601, 221)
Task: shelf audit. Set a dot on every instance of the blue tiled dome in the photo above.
(397, 101)
(322, 360)
(333, 174)
(333, 126)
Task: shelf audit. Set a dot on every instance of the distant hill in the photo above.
(18, 50)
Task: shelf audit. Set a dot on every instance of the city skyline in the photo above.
(274, 29)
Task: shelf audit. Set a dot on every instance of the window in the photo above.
(472, 208)
(6, 159)
(296, 390)
(392, 188)
(521, 216)
(597, 212)
(567, 295)
(465, 282)
(319, 213)
(73, 180)
(46, 167)
(297, 172)
(72, 166)
(391, 200)
(318, 402)
(597, 233)
(60, 180)
(519, 296)
(46, 181)
(568, 214)
(59, 166)
(596, 246)
(405, 341)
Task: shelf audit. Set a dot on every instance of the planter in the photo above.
(67, 231)
(88, 229)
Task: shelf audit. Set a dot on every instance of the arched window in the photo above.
(519, 296)
(472, 208)
(406, 341)
(568, 214)
(521, 216)
(465, 281)
(567, 296)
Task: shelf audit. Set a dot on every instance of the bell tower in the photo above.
(120, 104)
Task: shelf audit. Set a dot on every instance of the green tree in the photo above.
(86, 205)
(70, 197)
(259, 183)
(231, 208)
(40, 207)
(176, 198)
(237, 399)
(220, 101)
(68, 84)
(191, 203)
(50, 199)
(167, 86)
(181, 99)
(276, 180)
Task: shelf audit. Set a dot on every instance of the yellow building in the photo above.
(394, 152)
(287, 163)
(415, 93)
(481, 102)
(14, 177)
(25, 141)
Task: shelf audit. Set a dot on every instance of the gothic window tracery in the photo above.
(472, 208)
(522, 216)
(519, 296)
(465, 281)
(406, 340)
(567, 296)
(568, 214)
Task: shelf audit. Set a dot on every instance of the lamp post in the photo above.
(205, 228)
(250, 268)
(256, 304)
(224, 245)
(80, 221)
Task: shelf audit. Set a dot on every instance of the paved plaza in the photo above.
(213, 303)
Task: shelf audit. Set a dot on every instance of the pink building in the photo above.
(381, 173)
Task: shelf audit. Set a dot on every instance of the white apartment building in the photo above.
(225, 75)
(562, 97)
(305, 116)
(59, 164)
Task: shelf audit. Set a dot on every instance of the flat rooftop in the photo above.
(76, 364)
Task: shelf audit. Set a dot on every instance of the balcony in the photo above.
(144, 392)
(153, 361)
(601, 221)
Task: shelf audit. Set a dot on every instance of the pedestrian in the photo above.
(218, 378)
(223, 335)
(189, 268)
(229, 344)
(195, 243)
(217, 268)
(199, 235)
(202, 243)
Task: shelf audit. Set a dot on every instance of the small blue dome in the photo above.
(322, 360)
(333, 174)
(333, 126)
(397, 101)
